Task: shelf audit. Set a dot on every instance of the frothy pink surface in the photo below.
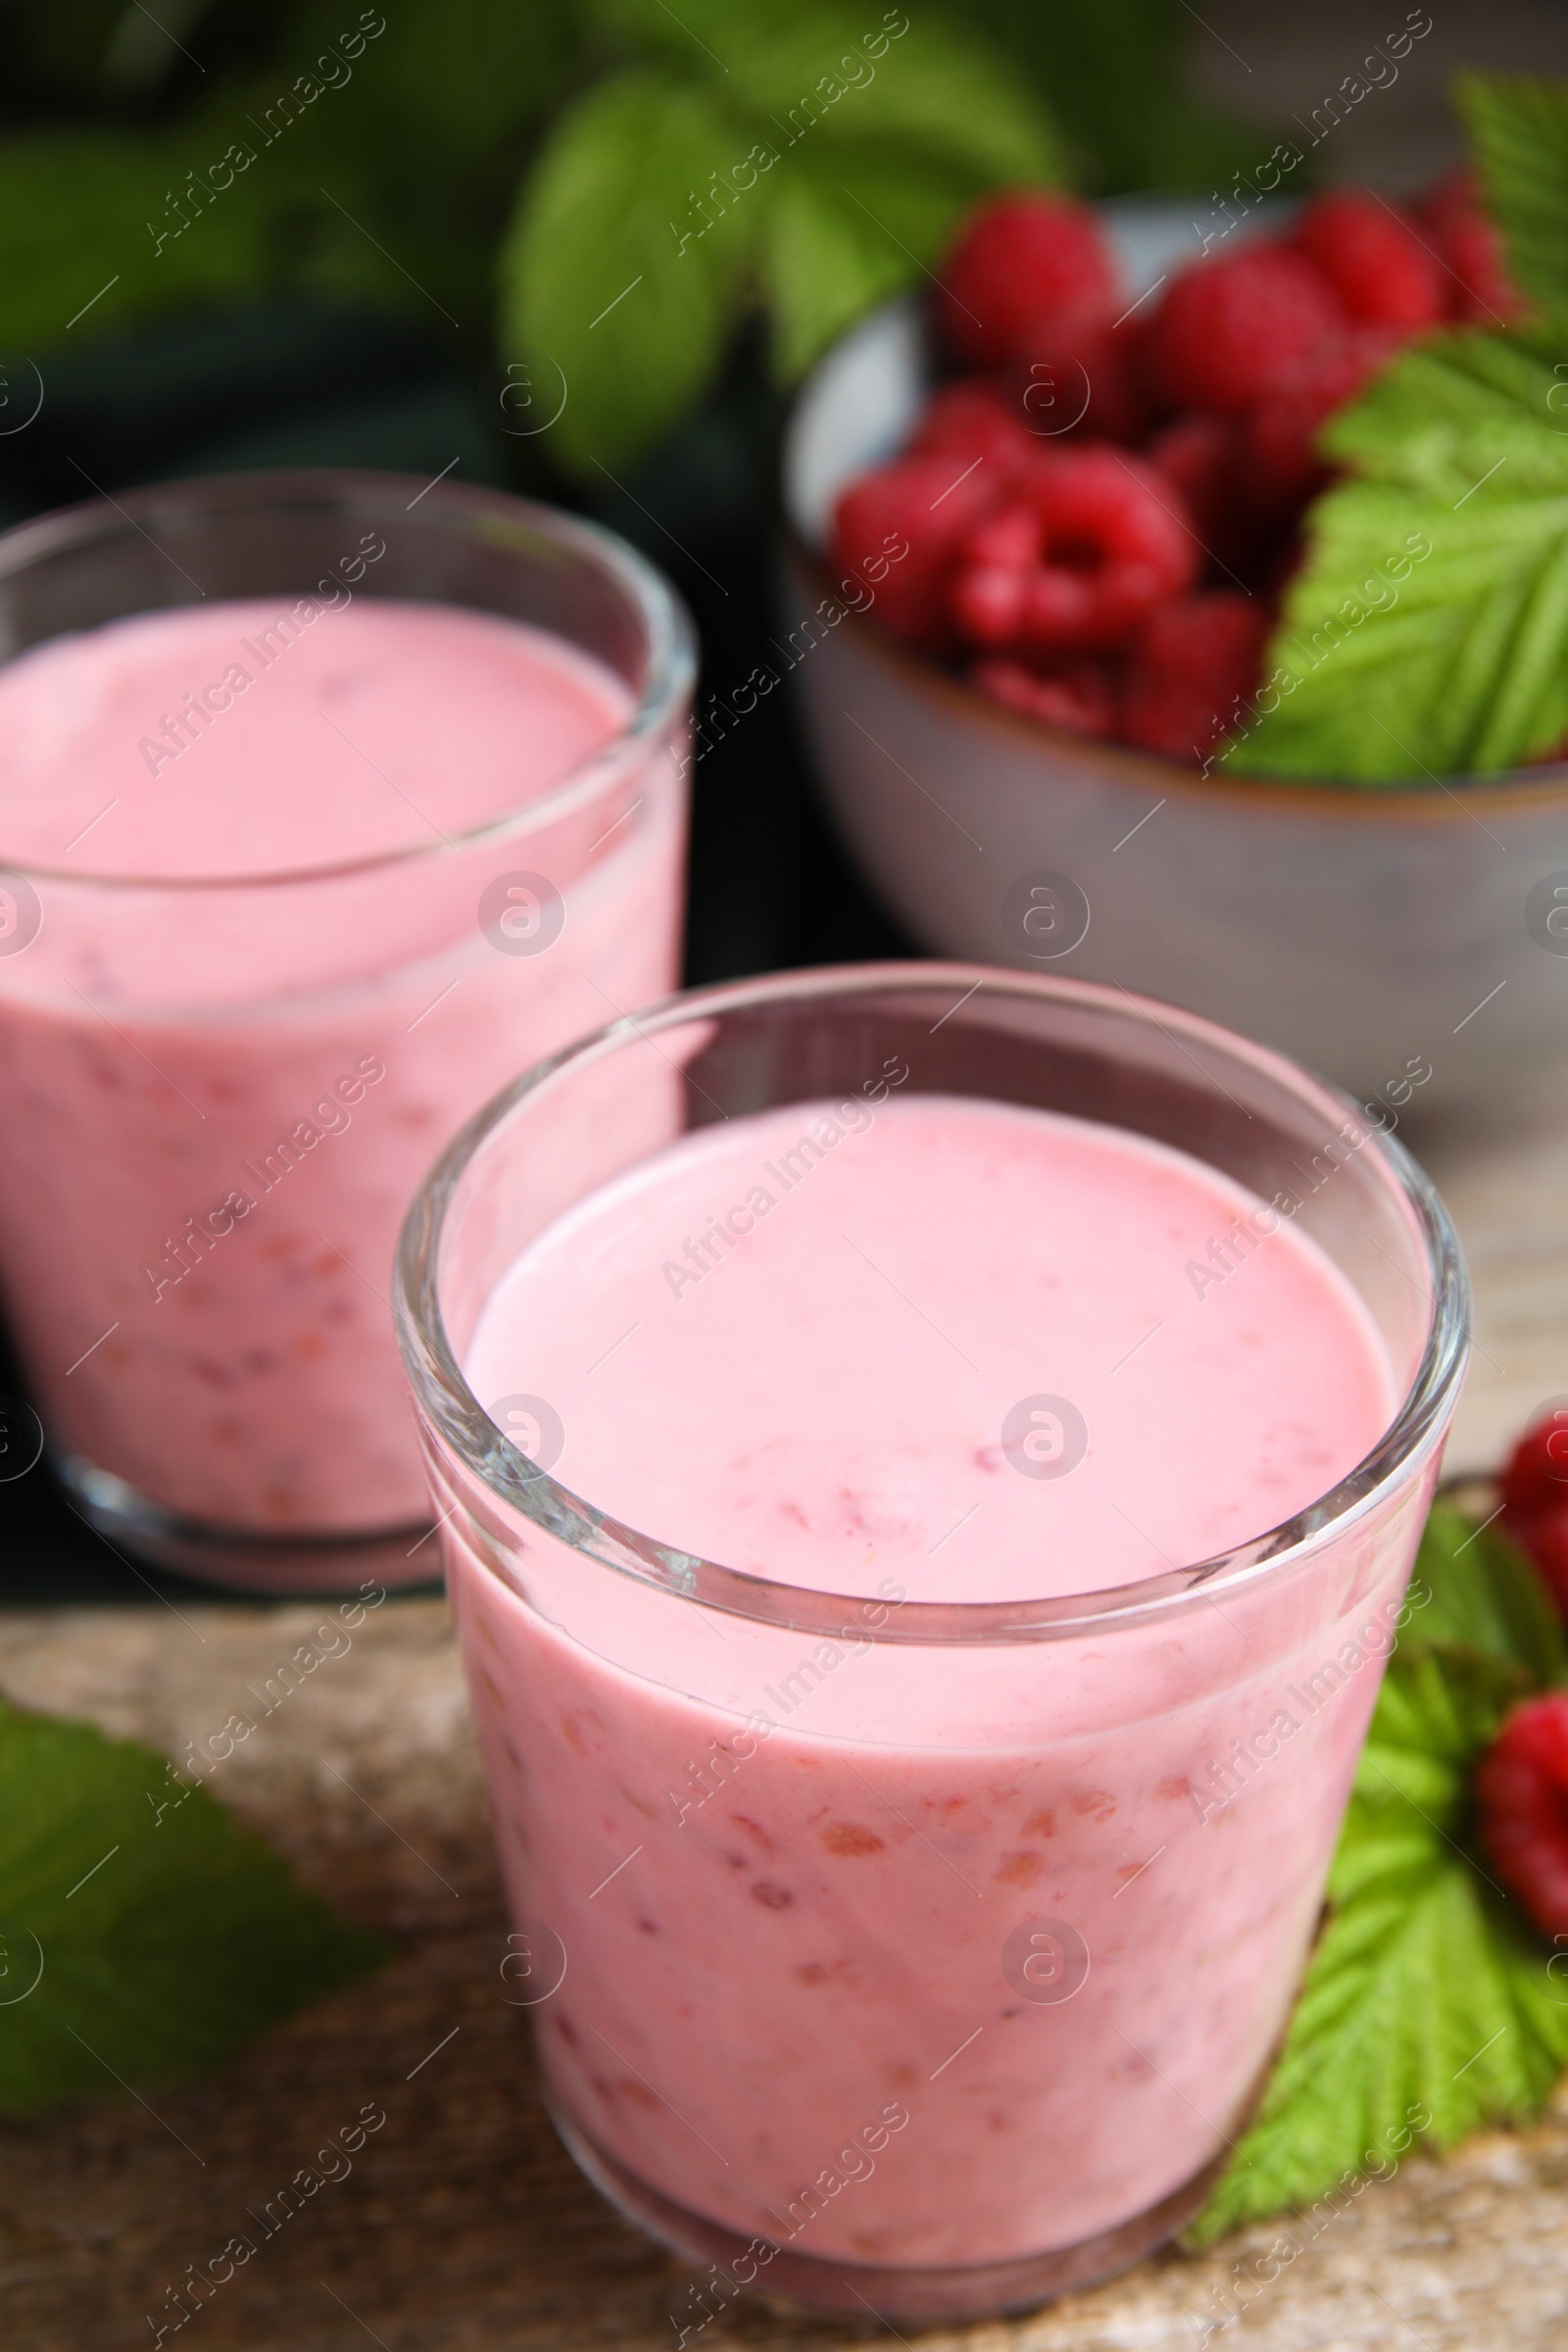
(821, 1398)
(377, 725)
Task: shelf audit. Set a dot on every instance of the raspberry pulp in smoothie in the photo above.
(938, 1953)
(263, 984)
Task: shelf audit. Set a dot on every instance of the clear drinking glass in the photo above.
(815, 2134)
(220, 1387)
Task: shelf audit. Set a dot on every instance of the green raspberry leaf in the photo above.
(842, 235)
(1118, 73)
(611, 272)
(876, 164)
(1428, 2010)
(1436, 1710)
(1518, 132)
(101, 229)
(1428, 631)
(89, 237)
(139, 1949)
(940, 95)
(812, 159)
(835, 73)
(472, 71)
(1473, 1589)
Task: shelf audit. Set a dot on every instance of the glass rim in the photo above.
(455, 1415)
(666, 627)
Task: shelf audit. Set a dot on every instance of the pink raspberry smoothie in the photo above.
(908, 1953)
(267, 981)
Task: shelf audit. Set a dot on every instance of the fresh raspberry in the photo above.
(1521, 1787)
(1081, 371)
(975, 421)
(1198, 454)
(1194, 662)
(1095, 540)
(1113, 523)
(1535, 1499)
(1081, 696)
(1470, 246)
(1280, 468)
(1202, 456)
(1227, 332)
(1011, 538)
(925, 506)
(1018, 264)
(1375, 260)
(1546, 1539)
(1536, 1476)
(988, 594)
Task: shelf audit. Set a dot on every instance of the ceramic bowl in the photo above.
(1407, 937)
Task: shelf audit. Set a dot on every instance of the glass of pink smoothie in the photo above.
(929, 1462)
(326, 801)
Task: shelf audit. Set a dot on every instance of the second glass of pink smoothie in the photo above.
(929, 1461)
(325, 801)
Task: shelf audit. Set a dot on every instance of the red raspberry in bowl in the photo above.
(1198, 454)
(1469, 244)
(1225, 333)
(1018, 264)
(1079, 696)
(970, 420)
(1195, 662)
(922, 505)
(1204, 457)
(1082, 371)
(997, 561)
(1521, 1787)
(1093, 543)
(1114, 522)
(1382, 270)
(1280, 467)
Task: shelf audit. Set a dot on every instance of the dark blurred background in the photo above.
(355, 296)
